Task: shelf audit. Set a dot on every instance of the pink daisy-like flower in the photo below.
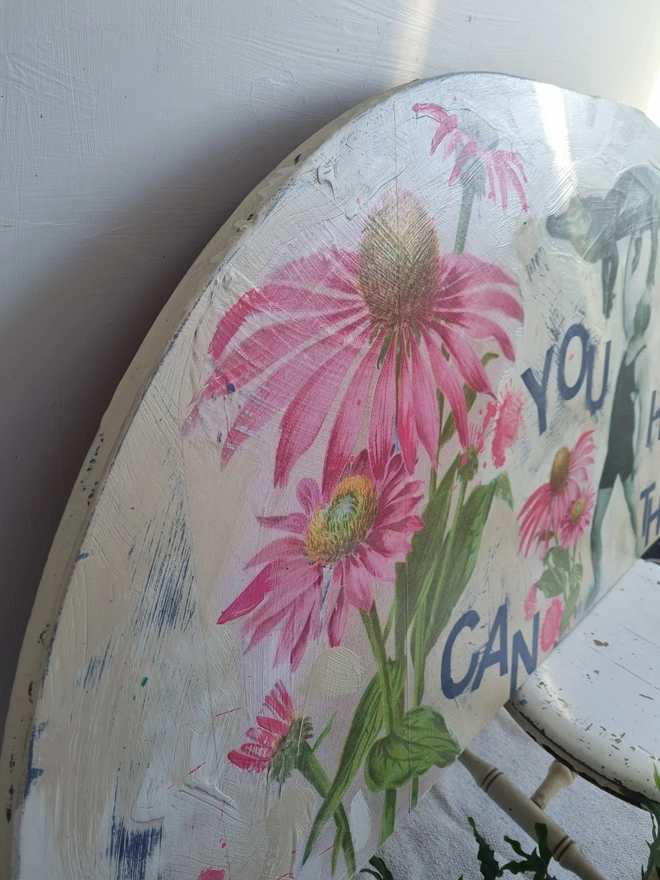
(532, 602)
(503, 168)
(369, 336)
(552, 623)
(212, 874)
(266, 739)
(577, 516)
(545, 510)
(341, 542)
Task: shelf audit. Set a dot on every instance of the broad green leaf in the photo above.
(551, 583)
(503, 490)
(419, 572)
(559, 557)
(457, 571)
(365, 727)
(575, 576)
(418, 742)
(656, 776)
(470, 396)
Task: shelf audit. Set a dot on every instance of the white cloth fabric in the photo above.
(435, 841)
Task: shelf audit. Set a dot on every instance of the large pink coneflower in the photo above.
(363, 338)
(544, 513)
(336, 548)
(503, 168)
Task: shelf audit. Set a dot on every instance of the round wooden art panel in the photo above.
(295, 577)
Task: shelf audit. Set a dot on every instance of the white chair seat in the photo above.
(594, 703)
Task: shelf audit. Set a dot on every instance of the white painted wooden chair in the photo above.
(376, 456)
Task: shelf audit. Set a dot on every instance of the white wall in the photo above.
(129, 131)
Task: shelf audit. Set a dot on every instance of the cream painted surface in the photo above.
(165, 689)
(129, 131)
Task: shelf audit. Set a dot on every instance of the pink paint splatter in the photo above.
(194, 769)
(212, 874)
(228, 712)
(532, 602)
(507, 415)
(552, 623)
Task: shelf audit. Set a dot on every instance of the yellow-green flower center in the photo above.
(559, 470)
(577, 510)
(338, 529)
(399, 262)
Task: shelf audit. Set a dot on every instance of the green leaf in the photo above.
(503, 490)
(551, 583)
(379, 869)
(536, 861)
(457, 571)
(419, 573)
(326, 730)
(656, 776)
(418, 742)
(570, 608)
(470, 396)
(365, 727)
(490, 869)
(559, 557)
(575, 576)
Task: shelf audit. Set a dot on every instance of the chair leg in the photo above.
(558, 777)
(527, 814)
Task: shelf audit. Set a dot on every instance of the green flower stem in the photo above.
(389, 815)
(377, 643)
(310, 767)
(467, 200)
(420, 644)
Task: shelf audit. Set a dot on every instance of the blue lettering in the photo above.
(451, 688)
(566, 391)
(539, 390)
(650, 515)
(594, 405)
(491, 657)
(654, 416)
(519, 650)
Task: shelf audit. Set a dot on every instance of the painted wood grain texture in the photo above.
(392, 436)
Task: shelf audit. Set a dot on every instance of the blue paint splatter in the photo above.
(33, 773)
(81, 556)
(144, 681)
(94, 669)
(130, 851)
(168, 599)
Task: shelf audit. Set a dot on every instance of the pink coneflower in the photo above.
(341, 543)
(503, 168)
(552, 623)
(272, 745)
(367, 336)
(544, 512)
(577, 516)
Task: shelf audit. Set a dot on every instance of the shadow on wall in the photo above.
(63, 355)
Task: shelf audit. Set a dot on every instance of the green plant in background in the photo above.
(652, 871)
(535, 863)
